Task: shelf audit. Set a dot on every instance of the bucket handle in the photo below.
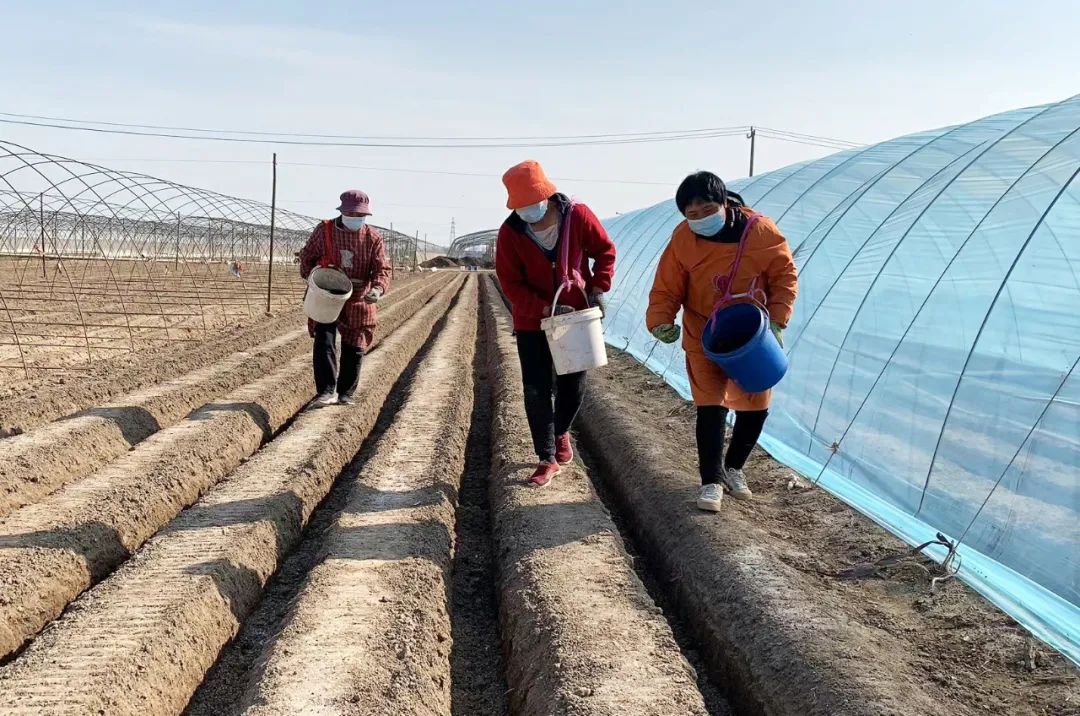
(750, 298)
(559, 293)
(723, 284)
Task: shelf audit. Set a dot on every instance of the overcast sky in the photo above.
(859, 71)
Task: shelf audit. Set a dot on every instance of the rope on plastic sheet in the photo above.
(865, 570)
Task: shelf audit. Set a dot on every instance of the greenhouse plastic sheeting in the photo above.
(934, 348)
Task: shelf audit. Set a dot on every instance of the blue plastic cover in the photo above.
(934, 348)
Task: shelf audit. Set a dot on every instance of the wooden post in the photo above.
(390, 240)
(416, 248)
(273, 211)
(41, 220)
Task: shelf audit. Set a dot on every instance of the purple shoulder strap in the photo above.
(564, 246)
(723, 284)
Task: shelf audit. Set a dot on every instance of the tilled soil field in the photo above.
(193, 538)
(65, 317)
(26, 404)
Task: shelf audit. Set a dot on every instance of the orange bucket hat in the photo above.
(526, 184)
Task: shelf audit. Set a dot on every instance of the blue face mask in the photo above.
(353, 223)
(534, 213)
(710, 225)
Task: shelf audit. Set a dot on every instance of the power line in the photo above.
(326, 202)
(605, 135)
(388, 145)
(792, 140)
(810, 140)
(411, 142)
(809, 136)
(404, 170)
(470, 174)
(177, 160)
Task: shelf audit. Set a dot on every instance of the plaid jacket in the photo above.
(362, 256)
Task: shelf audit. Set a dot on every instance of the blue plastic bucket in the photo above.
(737, 338)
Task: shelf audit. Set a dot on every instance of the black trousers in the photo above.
(711, 425)
(551, 402)
(324, 361)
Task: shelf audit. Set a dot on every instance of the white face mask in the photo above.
(534, 213)
(353, 223)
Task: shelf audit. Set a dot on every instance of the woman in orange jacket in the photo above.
(699, 257)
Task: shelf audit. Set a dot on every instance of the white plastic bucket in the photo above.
(576, 340)
(320, 304)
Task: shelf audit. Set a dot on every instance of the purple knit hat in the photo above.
(355, 201)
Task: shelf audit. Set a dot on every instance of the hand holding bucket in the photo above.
(738, 336)
(328, 288)
(739, 339)
(576, 339)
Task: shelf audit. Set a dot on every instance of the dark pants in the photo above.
(324, 360)
(711, 425)
(551, 402)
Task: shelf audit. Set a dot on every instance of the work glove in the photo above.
(667, 333)
(373, 295)
(596, 300)
(778, 331)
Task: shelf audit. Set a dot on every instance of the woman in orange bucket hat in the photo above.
(527, 263)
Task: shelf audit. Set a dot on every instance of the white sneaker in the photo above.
(710, 497)
(326, 399)
(735, 481)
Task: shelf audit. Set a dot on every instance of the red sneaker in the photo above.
(544, 472)
(564, 451)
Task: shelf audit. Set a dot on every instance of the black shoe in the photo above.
(346, 400)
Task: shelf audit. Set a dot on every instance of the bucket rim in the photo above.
(333, 274)
(585, 315)
(751, 344)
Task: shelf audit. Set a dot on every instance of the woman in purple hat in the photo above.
(349, 244)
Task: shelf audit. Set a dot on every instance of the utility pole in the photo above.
(416, 251)
(176, 260)
(273, 211)
(392, 242)
(752, 136)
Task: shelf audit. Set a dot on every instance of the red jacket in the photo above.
(529, 278)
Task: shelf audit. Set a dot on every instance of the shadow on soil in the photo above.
(373, 500)
(135, 423)
(238, 585)
(393, 542)
(282, 511)
(98, 545)
(564, 523)
(256, 411)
